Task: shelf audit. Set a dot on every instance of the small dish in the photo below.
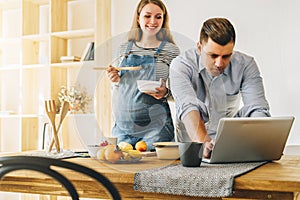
(148, 86)
(167, 150)
(93, 149)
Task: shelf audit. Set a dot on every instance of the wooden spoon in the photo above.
(50, 109)
(63, 113)
(132, 68)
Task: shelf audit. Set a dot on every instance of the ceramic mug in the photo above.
(191, 153)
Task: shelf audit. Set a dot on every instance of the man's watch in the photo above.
(168, 93)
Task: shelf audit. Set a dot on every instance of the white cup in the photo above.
(109, 140)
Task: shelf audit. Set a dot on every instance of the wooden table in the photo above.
(276, 180)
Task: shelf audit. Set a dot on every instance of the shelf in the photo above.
(6, 41)
(72, 64)
(37, 37)
(34, 66)
(9, 116)
(40, 2)
(34, 34)
(73, 34)
(67, 65)
(15, 4)
(20, 116)
(9, 4)
(10, 67)
(6, 113)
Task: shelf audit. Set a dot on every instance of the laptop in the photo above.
(250, 139)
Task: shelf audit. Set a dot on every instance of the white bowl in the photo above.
(93, 149)
(167, 150)
(148, 86)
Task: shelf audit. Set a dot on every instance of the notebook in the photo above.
(250, 139)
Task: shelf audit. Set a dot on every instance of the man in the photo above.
(208, 82)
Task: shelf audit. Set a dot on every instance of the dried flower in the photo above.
(77, 97)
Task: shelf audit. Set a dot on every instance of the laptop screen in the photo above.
(250, 139)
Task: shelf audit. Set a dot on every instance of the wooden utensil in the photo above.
(120, 68)
(63, 113)
(50, 109)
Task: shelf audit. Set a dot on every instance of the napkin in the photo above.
(209, 180)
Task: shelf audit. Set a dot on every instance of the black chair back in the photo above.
(42, 164)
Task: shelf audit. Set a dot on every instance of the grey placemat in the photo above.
(209, 180)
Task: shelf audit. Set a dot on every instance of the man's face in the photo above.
(214, 57)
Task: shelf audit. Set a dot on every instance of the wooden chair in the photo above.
(41, 164)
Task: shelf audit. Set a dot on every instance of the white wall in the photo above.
(266, 29)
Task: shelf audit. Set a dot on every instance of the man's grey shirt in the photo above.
(193, 88)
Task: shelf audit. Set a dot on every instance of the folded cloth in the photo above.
(209, 180)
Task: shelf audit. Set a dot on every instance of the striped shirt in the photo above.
(167, 54)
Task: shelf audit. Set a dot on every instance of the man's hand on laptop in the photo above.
(208, 147)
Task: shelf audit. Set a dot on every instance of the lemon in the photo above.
(125, 146)
(135, 154)
(141, 146)
(111, 154)
(126, 156)
(100, 154)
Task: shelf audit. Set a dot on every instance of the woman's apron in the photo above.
(139, 116)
